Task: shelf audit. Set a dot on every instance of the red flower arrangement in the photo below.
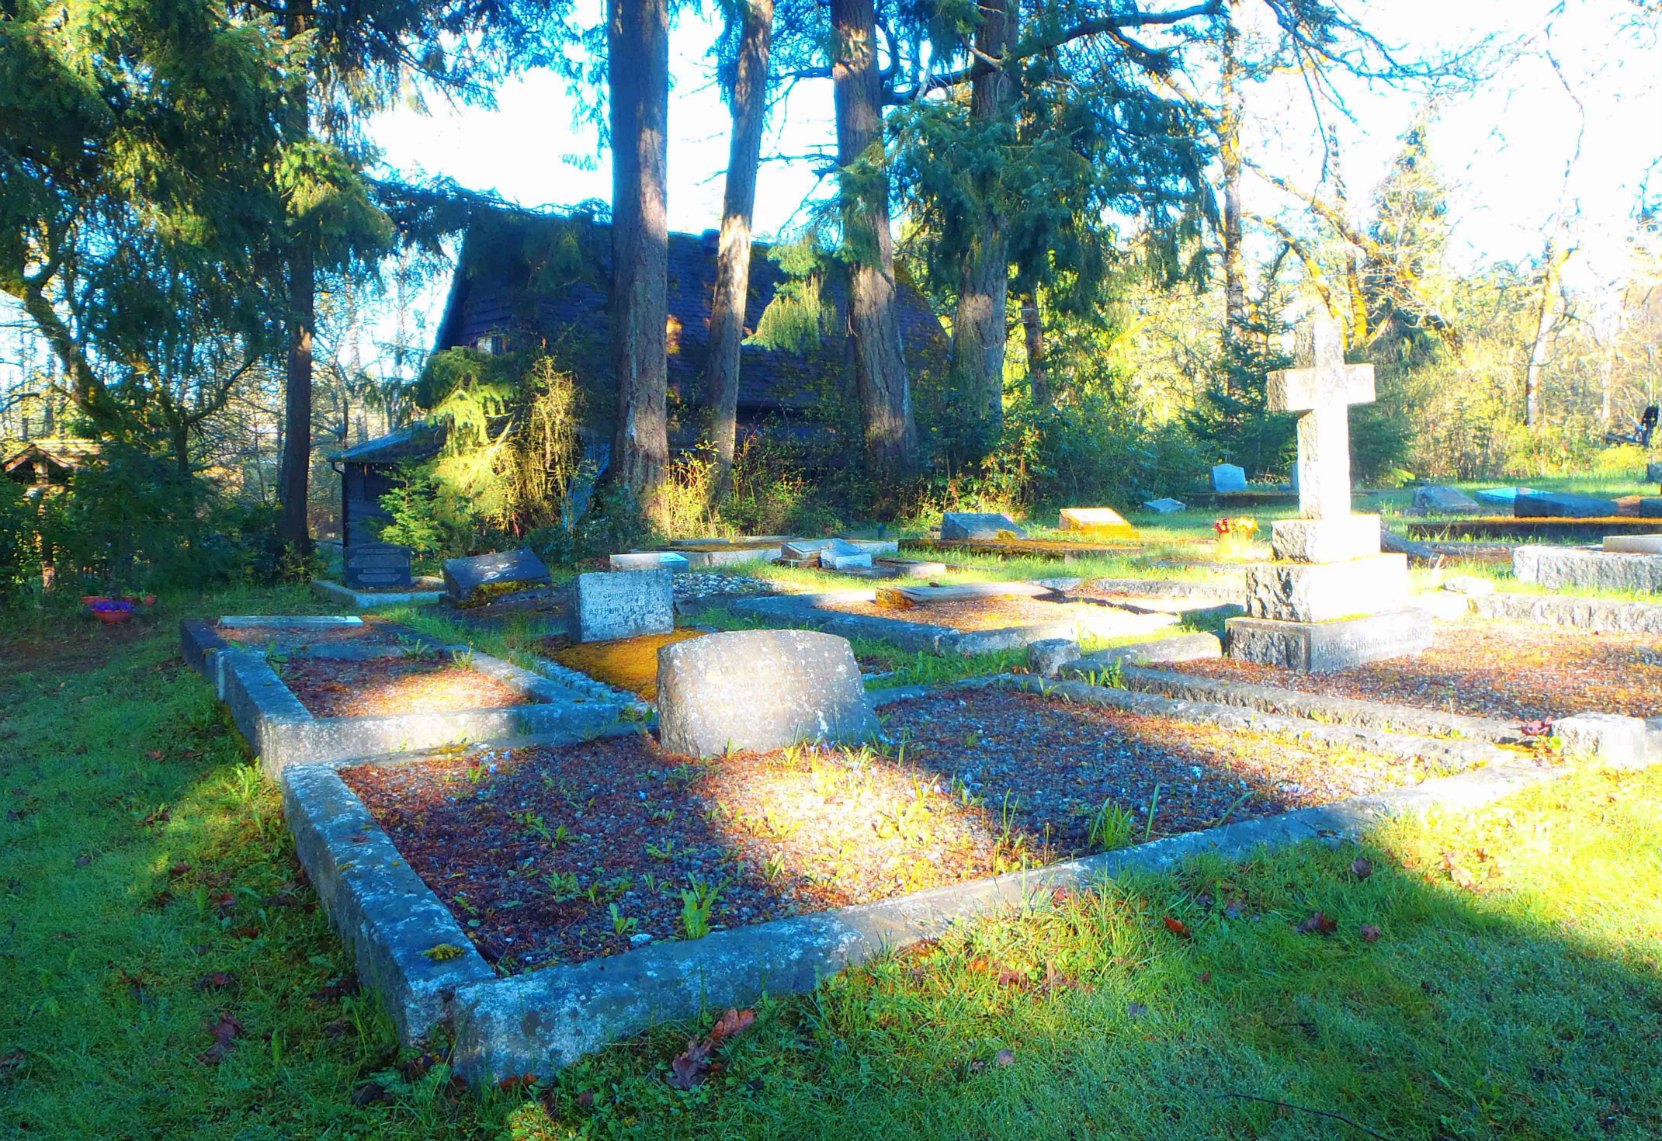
(1241, 527)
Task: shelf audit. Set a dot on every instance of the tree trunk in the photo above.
(1235, 311)
(979, 330)
(1546, 321)
(294, 471)
(638, 74)
(880, 375)
(727, 308)
(1032, 323)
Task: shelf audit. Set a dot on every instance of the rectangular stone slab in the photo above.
(977, 525)
(464, 577)
(1557, 504)
(648, 560)
(910, 568)
(1322, 647)
(1321, 592)
(1599, 570)
(1325, 540)
(1633, 544)
(1100, 522)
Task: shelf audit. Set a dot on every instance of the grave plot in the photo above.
(968, 618)
(322, 690)
(565, 854)
(1510, 671)
(629, 664)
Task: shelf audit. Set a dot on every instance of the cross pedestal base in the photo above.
(1322, 647)
(1321, 592)
(1325, 540)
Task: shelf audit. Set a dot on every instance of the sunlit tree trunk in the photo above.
(727, 308)
(294, 470)
(874, 324)
(1547, 310)
(638, 74)
(1032, 323)
(1229, 158)
(979, 330)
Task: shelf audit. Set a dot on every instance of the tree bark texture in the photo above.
(732, 293)
(294, 471)
(880, 374)
(638, 76)
(1236, 313)
(1033, 327)
(980, 322)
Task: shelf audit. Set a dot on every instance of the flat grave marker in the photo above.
(385, 565)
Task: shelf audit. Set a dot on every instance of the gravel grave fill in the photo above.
(383, 687)
(1490, 669)
(564, 854)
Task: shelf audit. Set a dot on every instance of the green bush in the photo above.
(19, 543)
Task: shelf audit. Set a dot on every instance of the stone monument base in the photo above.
(1322, 647)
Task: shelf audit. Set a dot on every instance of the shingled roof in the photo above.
(533, 279)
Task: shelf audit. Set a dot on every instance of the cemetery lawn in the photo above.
(1490, 669)
(165, 973)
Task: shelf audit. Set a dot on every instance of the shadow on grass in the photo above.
(1512, 990)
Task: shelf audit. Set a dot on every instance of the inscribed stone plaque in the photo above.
(377, 564)
(979, 525)
(622, 604)
(1228, 477)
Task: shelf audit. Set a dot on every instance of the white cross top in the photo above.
(1324, 393)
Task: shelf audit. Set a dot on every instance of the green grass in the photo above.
(1526, 1004)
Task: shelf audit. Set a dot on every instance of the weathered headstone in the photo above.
(1502, 496)
(843, 555)
(377, 565)
(1165, 505)
(1650, 508)
(1101, 522)
(1333, 600)
(1559, 567)
(760, 690)
(1444, 501)
(1228, 477)
(1653, 473)
(463, 578)
(622, 604)
(1561, 505)
(979, 525)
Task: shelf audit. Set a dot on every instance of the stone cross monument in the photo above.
(1331, 599)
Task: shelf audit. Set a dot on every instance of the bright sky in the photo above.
(1505, 146)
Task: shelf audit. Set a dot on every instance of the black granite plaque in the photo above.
(377, 565)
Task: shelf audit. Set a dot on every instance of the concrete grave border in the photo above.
(541, 1021)
(806, 610)
(339, 594)
(282, 732)
(1595, 615)
(200, 642)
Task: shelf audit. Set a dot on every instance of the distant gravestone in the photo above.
(1653, 473)
(843, 555)
(1651, 508)
(377, 565)
(607, 605)
(1228, 477)
(760, 690)
(978, 525)
(1633, 544)
(464, 577)
(1502, 496)
(1102, 522)
(1164, 506)
(1444, 501)
(1561, 505)
(648, 560)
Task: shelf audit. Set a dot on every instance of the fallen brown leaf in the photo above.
(1179, 928)
(1318, 924)
(1370, 933)
(224, 1031)
(1361, 867)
